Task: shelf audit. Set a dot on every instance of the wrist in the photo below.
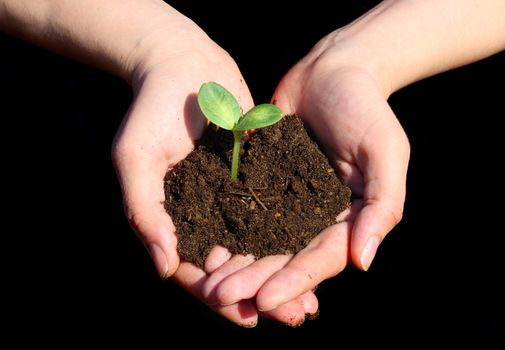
(168, 48)
(122, 37)
(341, 50)
(402, 42)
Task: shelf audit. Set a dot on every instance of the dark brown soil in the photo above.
(286, 193)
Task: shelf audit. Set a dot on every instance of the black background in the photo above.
(74, 266)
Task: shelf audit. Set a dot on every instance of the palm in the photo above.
(158, 131)
(363, 139)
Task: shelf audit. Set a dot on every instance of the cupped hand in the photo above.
(345, 104)
(158, 131)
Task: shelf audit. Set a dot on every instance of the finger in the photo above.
(142, 152)
(352, 212)
(288, 91)
(217, 257)
(233, 265)
(143, 197)
(310, 303)
(351, 175)
(192, 279)
(324, 257)
(245, 283)
(383, 158)
(293, 312)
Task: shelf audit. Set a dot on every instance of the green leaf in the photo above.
(259, 117)
(219, 105)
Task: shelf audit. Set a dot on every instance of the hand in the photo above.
(345, 105)
(157, 132)
(341, 93)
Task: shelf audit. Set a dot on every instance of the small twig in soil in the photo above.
(243, 194)
(269, 199)
(257, 199)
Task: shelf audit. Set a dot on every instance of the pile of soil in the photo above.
(285, 195)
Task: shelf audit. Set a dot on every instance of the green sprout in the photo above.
(221, 108)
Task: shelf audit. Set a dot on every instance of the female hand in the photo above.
(158, 131)
(345, 105)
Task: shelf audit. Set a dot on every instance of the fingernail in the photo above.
(160, 260)
(248, 325)
(369, 251)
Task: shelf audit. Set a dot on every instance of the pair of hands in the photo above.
(343, 103)
(340, 89)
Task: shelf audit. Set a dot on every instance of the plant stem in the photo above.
(235, 155)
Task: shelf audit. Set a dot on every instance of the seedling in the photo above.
(221, 108)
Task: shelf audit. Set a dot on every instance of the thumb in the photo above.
(141, 183)
(383, 159)
(287, 93)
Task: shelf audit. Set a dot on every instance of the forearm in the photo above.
(412, 39)
(114, 35)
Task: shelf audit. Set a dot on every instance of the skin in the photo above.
(340, 88)
(165, 59)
